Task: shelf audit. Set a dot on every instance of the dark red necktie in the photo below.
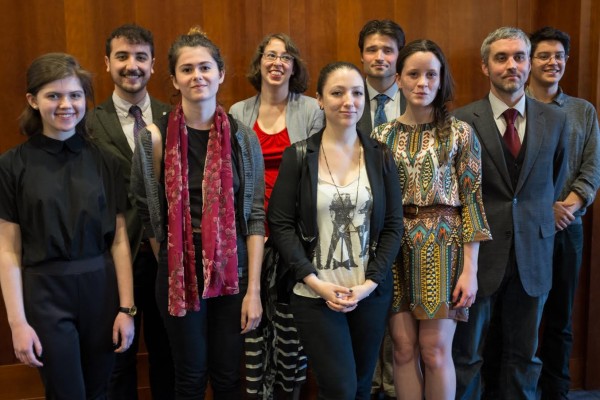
(511, 136)
(139, 121)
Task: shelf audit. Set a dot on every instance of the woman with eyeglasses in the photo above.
(280, 115)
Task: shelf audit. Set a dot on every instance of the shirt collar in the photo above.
(559, 99)
(123, 106)
(390, 92)
(53, 146)
(498, 106)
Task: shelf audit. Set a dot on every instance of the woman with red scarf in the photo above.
(198, 180)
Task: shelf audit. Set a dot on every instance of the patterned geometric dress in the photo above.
(432, 246)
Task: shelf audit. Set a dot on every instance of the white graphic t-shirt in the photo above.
(343, 217)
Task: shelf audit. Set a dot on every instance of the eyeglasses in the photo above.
(272, 57)
(545, 57)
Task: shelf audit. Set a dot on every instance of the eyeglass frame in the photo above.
(272, 57)
(547, 56)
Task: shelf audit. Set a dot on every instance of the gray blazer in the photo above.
(302, 118)
(103, 123)
(365, 123)
(522, 215)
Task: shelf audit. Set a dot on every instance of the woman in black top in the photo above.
(61, 227)
(336, 218)
(198, 181)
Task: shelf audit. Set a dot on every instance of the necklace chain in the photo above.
(331, 176)
(350, 222)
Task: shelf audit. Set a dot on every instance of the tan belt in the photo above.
(412, 211)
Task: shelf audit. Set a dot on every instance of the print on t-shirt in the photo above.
(348, 222)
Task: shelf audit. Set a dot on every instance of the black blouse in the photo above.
(197, 147)
(64, 195)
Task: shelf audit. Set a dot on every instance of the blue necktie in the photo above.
(380, 117)
(139, 121)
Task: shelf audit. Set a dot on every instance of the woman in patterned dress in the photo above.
(439, 164)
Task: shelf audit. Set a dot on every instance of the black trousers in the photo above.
(205, 344)
(72, 306)
(342, 349)
(557, 339)
(123, 382)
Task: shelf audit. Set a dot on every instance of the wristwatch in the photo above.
(129, 311)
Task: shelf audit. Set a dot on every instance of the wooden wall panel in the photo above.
(324, 31)
(589, 87)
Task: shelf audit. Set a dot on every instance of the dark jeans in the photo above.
(557, 340)
(123, 382)
(342, 349)
(207, 343)
(72, 307)
(514, 372)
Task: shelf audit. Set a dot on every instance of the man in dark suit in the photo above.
(129, 60)
(523, 149)
(379, 42)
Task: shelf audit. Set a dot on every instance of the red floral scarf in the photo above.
(219, 247)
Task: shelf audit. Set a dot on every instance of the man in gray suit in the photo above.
(379, 42)
(129, 60)
(523, 149)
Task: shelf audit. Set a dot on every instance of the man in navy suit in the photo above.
(523, 150)
(379, 42)
(129, 60)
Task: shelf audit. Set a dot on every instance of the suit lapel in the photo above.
(490, 139)
(536, 124)
(107, 115)
(158, 109)
(365, 125)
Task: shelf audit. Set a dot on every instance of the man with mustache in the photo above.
(129, 60)
(379, 42)
(550, 52)
(523, 169)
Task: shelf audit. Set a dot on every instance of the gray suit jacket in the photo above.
(365, 123)
(105, 127)
(523, 214)
(303, 117)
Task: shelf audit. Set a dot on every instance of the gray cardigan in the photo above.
(302, 117)
(150, 197)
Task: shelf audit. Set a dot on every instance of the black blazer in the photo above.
(521, 215)
(284, 217)
(103, 123)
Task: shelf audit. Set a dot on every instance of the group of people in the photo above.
(423, 246)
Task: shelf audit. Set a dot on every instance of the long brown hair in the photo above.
(441, 116)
